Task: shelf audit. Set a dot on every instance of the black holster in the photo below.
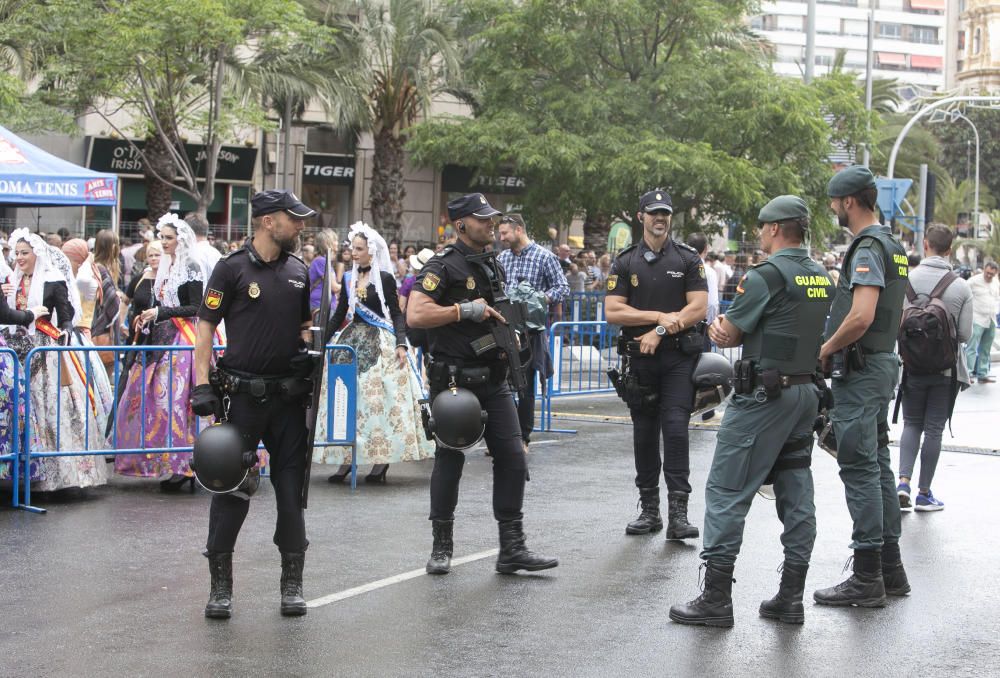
(770, 383)
(632, 392)
(744, 376)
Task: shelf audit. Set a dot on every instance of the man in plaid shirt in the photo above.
(527, 261)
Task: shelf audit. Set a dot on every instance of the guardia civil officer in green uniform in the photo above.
(860, 345)
(766, 435)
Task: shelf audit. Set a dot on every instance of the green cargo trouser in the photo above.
(749, 441)
(861, 402)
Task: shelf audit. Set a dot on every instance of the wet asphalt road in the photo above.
(114, 583)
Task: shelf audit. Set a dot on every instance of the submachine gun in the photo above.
(317, 363)
(511, 338)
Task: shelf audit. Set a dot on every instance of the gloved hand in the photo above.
(304, 364)
(205, 401)
(473, 310)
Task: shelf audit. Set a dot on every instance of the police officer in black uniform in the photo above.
(657, 292)
(453, 300)
(261, 291)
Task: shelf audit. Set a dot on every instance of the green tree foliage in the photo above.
(955, 198)
(408, 55)
(594, 102)
(20, 109)
(957, 147)
(166, 70)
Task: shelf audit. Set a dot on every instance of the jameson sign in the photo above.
(328, 169)
(236, 163)
(458, 179)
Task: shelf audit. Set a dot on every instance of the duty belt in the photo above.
(232, 382)
(788, 380)
(631, 346)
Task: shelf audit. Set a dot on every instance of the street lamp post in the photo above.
(952, 116)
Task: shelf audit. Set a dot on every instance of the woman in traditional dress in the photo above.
(154, 411)
(388, 414)
(10, 316)
(87, 279)
(63, 409)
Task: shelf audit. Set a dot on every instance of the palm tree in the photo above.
(409, 55)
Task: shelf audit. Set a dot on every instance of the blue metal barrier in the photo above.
(582, 353)
(12, 366)
(584, 306)
(341, 405)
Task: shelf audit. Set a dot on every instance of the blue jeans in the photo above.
(977, 349)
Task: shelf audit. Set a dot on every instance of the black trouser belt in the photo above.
(788, 380)
(631, 347)
(231, 381)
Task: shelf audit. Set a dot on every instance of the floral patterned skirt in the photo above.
(388, 415)
(63, 417)
(7, 405)
(155, 412)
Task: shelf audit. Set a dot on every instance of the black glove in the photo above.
(304, 364)
(205, 401)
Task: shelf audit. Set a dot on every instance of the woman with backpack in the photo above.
(937, 319)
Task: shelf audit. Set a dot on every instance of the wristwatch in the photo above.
(661, 330)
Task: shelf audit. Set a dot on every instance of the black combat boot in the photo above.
(864, 588)
(786, 606)
(649, 519)
(893, 574)
(514, 555)
(220, 599)
(292, 602)
(714, 607)
(440, 560)
(678, 526)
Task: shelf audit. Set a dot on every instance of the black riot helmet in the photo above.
(219, 460)
(713, 381)
(457, 419)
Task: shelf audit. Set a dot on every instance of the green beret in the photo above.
(849, 181)
(783, 207)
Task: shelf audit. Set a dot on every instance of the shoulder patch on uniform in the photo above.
(739, 285)
(612, 282)
(626, 250)
(430, 282)
(701, 270)
(213, 299)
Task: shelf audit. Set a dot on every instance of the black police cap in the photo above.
(657, 199)
(474, 204)
(268, 202)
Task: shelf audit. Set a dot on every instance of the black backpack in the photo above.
(928, 339)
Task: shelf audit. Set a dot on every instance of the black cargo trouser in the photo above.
(503, 439)
(668, 372)
(282, 427)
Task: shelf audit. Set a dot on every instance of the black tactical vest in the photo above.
(790, 331)
(881, 335)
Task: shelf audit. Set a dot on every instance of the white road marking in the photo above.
(389, 581)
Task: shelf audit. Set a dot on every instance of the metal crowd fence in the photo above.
(10, 418)
(338, 412)
(586, 306)
(582, 353)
